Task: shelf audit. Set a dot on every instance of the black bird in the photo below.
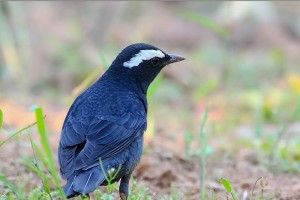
(104, 128)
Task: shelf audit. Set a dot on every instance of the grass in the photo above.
(47, 150)
(227, 185)
(200, 153)
(45, 155)
(16, 134)
(43, 165)
(205, 22)
(203, 138)
(14, 190)
(136, 193)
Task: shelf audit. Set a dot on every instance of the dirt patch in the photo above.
(164, 171)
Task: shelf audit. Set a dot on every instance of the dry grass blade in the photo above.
(254, 187)
(1, 119)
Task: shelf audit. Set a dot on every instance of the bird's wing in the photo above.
(82, 145)
(71, 142)
(109, 136)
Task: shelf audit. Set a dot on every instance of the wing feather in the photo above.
(104, 138)
(110, 140)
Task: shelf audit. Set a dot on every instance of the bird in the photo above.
(103, 131)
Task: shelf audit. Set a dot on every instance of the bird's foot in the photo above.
(123, 196)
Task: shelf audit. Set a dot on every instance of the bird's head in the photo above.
(143, 62)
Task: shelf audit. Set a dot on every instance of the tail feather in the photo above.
(88, 180)
(68, 188)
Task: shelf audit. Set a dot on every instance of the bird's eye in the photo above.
(155, 61)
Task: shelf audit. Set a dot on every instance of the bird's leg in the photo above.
(124, 187)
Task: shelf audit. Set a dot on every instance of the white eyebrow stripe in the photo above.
(143, 55)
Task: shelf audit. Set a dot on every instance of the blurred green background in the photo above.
(242, 61)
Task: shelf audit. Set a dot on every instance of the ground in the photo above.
(164, 169)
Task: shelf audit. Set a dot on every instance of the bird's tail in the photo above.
(83, 183)
(68, 188)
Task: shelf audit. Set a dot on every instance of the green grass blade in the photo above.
(16, 133)
(154, 86)
(104, 61)
(11, 186)
(10, 196)
(46, 180)
(40, 154)
(1, 118)
(89, 80)
(46, 146)
(203, 154)
(206, 89)
(203, 122)
(204, 21)
(214, 195)
(103, 171)
(227, 185)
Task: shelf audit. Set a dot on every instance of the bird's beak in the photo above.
(174, 58)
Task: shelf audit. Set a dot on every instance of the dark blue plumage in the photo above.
(107, 121)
